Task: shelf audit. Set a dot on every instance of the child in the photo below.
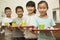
(6, 20)
(8, 17)
(30, 20)
(44, 20)
(17, 33)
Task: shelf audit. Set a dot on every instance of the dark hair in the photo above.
(19, 7)
(7, 8)
(43, 2)
(32, 4)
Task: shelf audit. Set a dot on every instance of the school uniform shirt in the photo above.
(47, 22)
(18, 32)
(9, 20)
(4, 20)
(30, 21)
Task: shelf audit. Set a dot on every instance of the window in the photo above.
(54, 15)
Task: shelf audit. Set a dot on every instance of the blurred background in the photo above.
(53, 11)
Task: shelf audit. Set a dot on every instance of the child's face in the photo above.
(19, 12)
(42, 8)
(30, 9)
(8, 12)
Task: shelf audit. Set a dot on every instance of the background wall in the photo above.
(13, 3)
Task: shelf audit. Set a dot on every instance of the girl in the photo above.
(44, 20)
(30, 20)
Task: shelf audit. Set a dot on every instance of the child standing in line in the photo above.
(44, 20)
(30, 20)
(7, 20)
(18, 33)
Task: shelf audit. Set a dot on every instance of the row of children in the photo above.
(31, 20)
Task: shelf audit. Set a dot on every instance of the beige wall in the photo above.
(13, 3)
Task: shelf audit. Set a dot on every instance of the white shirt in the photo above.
(30, 21)
(4, 20)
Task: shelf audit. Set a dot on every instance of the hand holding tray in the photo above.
(46, 30)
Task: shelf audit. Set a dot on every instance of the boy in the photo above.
(17, 33)
(6, 20)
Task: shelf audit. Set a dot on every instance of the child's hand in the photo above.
(34, 28)
(56, 28)
(35, 32)
(50, 28)
(30, 29)
(0, 26)
(10, 28)
(21, 28)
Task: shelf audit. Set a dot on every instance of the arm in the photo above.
(22, 29)
(34, 32)
(52, 24)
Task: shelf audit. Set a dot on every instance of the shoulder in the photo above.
(50, 18)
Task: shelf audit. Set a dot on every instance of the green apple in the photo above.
(41, 27)
(23, 24)
(6, 23)
(13, 24)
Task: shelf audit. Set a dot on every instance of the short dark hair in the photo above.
(43, 2)
(19, 7)
(7, 8)
(32, 4)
